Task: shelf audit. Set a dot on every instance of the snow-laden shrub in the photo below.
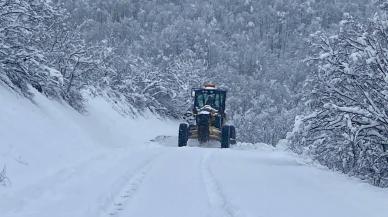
(39, 48)
(22, 61)
(349, 99)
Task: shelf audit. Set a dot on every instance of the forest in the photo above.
(309, 73)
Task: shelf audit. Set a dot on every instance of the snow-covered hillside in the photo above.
(62, 164)
(52, 153)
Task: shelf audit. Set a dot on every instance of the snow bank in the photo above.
(253, 146)
(39, 138)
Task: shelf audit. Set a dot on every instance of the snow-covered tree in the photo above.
(348, 126)
(22, 61)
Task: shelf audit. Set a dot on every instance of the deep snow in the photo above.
(61, 163)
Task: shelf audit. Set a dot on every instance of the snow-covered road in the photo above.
(221, 183)
(160, 181)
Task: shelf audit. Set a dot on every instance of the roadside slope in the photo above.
(56, 158)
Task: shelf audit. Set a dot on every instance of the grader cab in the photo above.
(207, 120)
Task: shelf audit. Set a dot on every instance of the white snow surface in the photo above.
(64, 164)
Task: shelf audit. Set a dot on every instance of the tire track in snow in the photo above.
(219, 204)
(130, 189)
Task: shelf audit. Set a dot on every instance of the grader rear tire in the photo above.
(233, 140)
(225, 136)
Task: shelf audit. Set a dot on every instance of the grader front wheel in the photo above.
(183, 135)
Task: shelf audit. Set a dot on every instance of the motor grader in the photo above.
(207, 120)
